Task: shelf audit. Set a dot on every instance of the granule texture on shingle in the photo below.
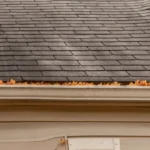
(75, 40)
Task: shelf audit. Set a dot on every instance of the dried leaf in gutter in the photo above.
(131, 84)
(11, 82)
(116, 84)
(1, 82)
(75, 83)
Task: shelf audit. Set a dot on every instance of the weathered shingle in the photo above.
(75, 40)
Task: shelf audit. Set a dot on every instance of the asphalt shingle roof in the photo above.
(75, 40)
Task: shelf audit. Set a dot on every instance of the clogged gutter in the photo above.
(136, 83)
(28, 93)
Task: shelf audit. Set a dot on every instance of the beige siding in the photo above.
(135, 143)
(43, 145)
(36, 131)
(41, 128)
(61, 113)
(127, 143)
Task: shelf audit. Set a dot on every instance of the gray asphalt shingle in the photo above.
(75, 40)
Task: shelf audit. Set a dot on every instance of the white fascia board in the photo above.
(75, 93)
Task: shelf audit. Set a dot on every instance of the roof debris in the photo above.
(74, 83)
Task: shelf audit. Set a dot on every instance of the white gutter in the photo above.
(44, 93)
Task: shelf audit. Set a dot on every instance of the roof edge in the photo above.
(34, 93)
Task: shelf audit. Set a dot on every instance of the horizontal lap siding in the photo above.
(65, 114)
(40, 129)
(43, 130)
(134, 143)
(43, 145)
(37, 131)
(126, 143)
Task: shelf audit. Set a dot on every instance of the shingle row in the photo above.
(81, 40)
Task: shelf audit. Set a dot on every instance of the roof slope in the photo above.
(75, 40)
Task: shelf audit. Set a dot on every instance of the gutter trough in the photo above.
(36, 93)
